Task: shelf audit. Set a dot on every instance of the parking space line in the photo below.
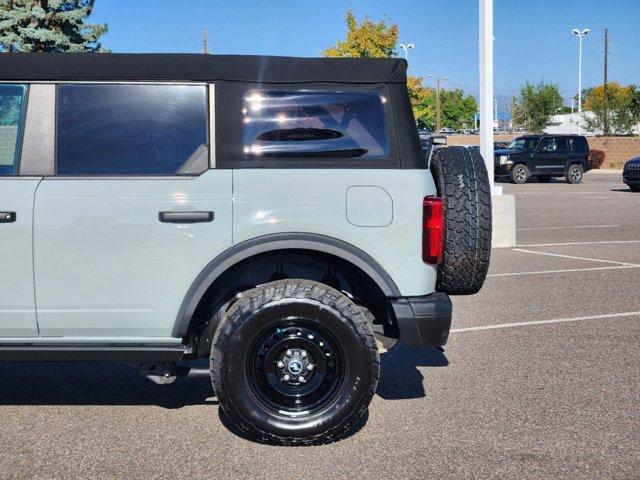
(570, 227)
(575, 258)
(603, 242)
(563, 193)
(545, 322)
(567, 270)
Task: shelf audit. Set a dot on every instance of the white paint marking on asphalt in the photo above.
(545, 322)
(568, 270)
(575, 258)
(571, 227)
(603, 242)
(563, 193)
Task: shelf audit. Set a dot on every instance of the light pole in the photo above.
(485, 39)
(580, 35)
(406, 49)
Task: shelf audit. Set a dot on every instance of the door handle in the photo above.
(7, 217)
(185, 217)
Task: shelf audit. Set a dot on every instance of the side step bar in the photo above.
(90, 353)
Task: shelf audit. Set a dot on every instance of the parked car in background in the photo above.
(631, 174)
(447, 131)
(545, 157)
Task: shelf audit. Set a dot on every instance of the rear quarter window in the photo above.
(314, 124)
(579, 144)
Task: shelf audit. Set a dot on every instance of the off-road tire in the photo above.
(520, 174)
(574, 173)
(543, 178)
(461, 179)
(269, 305)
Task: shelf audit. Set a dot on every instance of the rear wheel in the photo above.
(520, 174)
(461, 179)
(574, 173)
(543, 178)
(294, 362)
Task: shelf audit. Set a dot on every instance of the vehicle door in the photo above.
(547, 161)
(133, 212)
(17, 305)
(564, 155)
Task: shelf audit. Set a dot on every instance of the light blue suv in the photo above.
(273, 214)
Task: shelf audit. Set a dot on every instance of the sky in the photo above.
(533, 38)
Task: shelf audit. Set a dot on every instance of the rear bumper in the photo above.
(423, 321)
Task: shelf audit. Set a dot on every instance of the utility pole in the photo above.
(605, 130)
(438, 107)
(205, 41)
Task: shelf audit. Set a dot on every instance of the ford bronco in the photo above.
(274, 215)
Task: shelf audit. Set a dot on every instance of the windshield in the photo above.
(524, 144)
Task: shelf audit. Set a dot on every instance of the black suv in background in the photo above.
(544, 156)
(631, 174)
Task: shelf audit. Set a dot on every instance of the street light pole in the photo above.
(486, 87)
(406, 48)
(580, 35)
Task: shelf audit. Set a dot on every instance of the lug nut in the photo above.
(289, 352)
(301, 379)
(280, 364)
(286, 378)
(303, 354)
(310, 367)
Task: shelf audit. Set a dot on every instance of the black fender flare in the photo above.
(274, 242)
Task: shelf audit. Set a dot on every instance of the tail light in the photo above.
(432, 230)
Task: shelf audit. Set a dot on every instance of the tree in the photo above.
(49, 26)
(458, 111)
(423, 102)
(536, 104)
(615, 111)
(366, 39)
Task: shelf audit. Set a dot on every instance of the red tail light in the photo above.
(432, 230)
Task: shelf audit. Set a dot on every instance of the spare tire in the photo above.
(462, 181)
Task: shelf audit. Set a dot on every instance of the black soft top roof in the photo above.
(198, 67)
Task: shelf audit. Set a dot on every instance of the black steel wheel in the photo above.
(295, 367)
(294, 362)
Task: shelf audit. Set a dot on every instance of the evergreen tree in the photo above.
(49, 26)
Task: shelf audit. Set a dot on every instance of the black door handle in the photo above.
(185, 217)
(7, 217)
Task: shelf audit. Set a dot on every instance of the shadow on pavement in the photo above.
(118, 384)
(399, 375)
(93, 384)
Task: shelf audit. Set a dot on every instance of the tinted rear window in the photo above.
(314, 124)
(579, 144)
(130, 129)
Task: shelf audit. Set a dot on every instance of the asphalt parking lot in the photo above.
(540, 379)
